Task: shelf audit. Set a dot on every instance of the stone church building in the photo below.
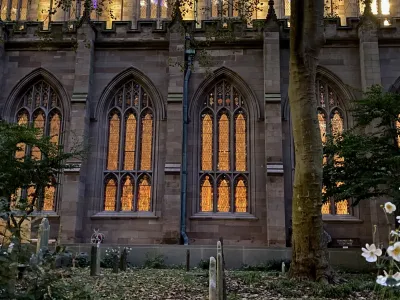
(178, 156)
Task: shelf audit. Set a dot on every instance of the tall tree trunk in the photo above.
(309, 259)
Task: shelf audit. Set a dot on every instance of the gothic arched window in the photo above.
(331, 121)
(128, 169)
(224, 172)
(41, 107)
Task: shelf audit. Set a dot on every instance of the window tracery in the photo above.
(223, 163)
(331, 121)
(128, 171)
(40, 106)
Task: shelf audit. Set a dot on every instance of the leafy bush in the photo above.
(154, 262)
(272, 265)
(82, 260)
(204, 264)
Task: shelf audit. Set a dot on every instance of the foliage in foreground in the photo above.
(369, 164)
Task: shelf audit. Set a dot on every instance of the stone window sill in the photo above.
(340, 219)
(124, 215)
(223, 216)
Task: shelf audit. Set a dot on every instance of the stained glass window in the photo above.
(223, 151)
(331, 121)
(40, 106)
(129, 150)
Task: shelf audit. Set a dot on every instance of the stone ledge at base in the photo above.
(235, 256)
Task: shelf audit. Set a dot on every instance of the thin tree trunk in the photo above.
(309, 259)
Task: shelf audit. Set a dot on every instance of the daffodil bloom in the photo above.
(371, 253)
(389, 207)
(394, 251)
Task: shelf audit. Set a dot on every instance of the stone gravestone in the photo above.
(212, 286)
(43, 236)
(95, 260)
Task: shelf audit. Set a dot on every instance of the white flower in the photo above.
(394, 251)
(389, 207)
(371, 253)
(397, 276)
(382, 279)
(394, 233)
(398, 219)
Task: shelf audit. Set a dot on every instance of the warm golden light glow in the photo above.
(342, 207)
(38, 123)
(337, 124)
(147, 142)
(325, 210)
(322, 126)
(207, 143)
(110, 195)
(206, 195)
(55, 128)
(223, 196)
(223, 143)
(130, 142)
(127, 195)
(144, 195)
(240, 143)
(49, 196)
(385, 7)
(113, 142)
(240, 196)
(386, 23)
(22, 120)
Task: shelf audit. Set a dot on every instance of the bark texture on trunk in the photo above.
(309, 260)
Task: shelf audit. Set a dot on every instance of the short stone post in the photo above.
(187, 260)
(212, 286)
(43, 236)
(223, 268)
(283, 268)
(220, 276)
(115, 263)
(123, 260)
(95, 260)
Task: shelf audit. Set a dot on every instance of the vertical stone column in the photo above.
(275, 202)
(73, 191)
(370, 75)
(173, 159)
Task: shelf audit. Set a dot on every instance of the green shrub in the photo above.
(154, 261)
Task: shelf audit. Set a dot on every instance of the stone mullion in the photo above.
(9, 7)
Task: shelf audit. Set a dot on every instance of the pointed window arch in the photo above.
(223, 143)
(331, 121)
(40, 106)
(130, 139)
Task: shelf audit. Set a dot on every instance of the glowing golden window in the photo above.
(240, 143)
(241, 196)
(206, 195)
(223, 143)
(207, 143)
(111, 195)
(55, 128)
(42, 106)
(127, 195)
(113, 143)
(144, 196)
(223, 196)
(38, 123)
(130, 142)
(147, 141)
(223, 148)
(130, 149)
(329, 101)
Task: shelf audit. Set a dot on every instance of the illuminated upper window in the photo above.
(41, 107)
(224, 159)
(128, 168)
(378, 7)
(331, 121)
